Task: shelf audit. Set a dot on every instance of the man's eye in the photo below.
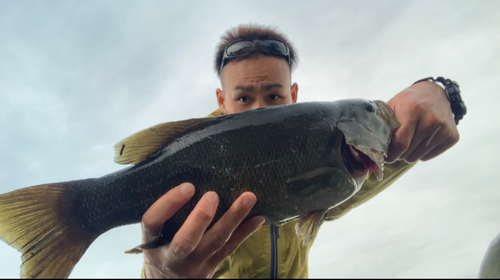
(243, 99)
(274, 97)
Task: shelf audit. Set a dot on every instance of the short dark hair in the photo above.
(251, 31)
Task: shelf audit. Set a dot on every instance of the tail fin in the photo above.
(37, 222)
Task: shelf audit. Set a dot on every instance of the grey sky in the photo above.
(77, 77)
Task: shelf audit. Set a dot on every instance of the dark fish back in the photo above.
(258, 153)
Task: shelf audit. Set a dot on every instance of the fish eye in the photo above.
(369, 107)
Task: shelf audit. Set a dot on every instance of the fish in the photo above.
(298, 159)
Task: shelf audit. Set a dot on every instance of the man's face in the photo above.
(255, 83)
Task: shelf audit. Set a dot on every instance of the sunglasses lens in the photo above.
(275, 47)
(270, 46)
(239, 48)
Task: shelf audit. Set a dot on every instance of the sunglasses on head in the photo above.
(245, 46)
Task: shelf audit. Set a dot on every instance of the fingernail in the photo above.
(187, 189)
(248, 202)
(212, 197)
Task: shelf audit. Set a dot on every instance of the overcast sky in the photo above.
(77, 77)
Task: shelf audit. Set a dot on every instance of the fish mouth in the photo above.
(361, 160)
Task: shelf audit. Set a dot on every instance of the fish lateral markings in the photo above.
(299, 160)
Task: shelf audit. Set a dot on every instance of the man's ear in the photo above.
(295, 92)
(220, 100)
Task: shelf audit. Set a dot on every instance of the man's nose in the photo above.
(259, 103)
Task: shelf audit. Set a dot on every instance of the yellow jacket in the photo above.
(254, 257)
(276, 252)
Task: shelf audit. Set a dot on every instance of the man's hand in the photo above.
(192, 252)
(427, 125)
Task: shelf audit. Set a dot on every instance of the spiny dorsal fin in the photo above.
(308, 225)
(138, 146)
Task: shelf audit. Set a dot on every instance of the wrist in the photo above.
(452, 90)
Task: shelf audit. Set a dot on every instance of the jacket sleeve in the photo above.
(370, 188)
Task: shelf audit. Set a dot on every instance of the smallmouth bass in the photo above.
(299, 160)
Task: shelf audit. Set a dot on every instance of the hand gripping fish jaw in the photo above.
(364, 146)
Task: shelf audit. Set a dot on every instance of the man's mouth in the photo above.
(360, 163)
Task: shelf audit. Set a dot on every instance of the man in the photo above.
(254, 64)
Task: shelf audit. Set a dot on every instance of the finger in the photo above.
(437, 151)
(452, 136)
(436, 144)
(424, 148)
(424, 140)
(190, 233)
(220, 233)
(434, 153)
(401, 138)
(427, 145)
(164, 208)
(239, 235)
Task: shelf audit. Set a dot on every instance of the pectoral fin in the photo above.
(313, 181)
(308, 225)
(327, 187)
(140, 145)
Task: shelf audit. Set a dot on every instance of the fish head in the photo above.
(367, 128)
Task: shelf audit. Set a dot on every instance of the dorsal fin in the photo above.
(138, 146)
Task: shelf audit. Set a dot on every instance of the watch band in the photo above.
(452, 90)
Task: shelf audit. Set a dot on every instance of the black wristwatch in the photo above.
(452, 90)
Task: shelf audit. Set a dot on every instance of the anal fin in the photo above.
(164, 237)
